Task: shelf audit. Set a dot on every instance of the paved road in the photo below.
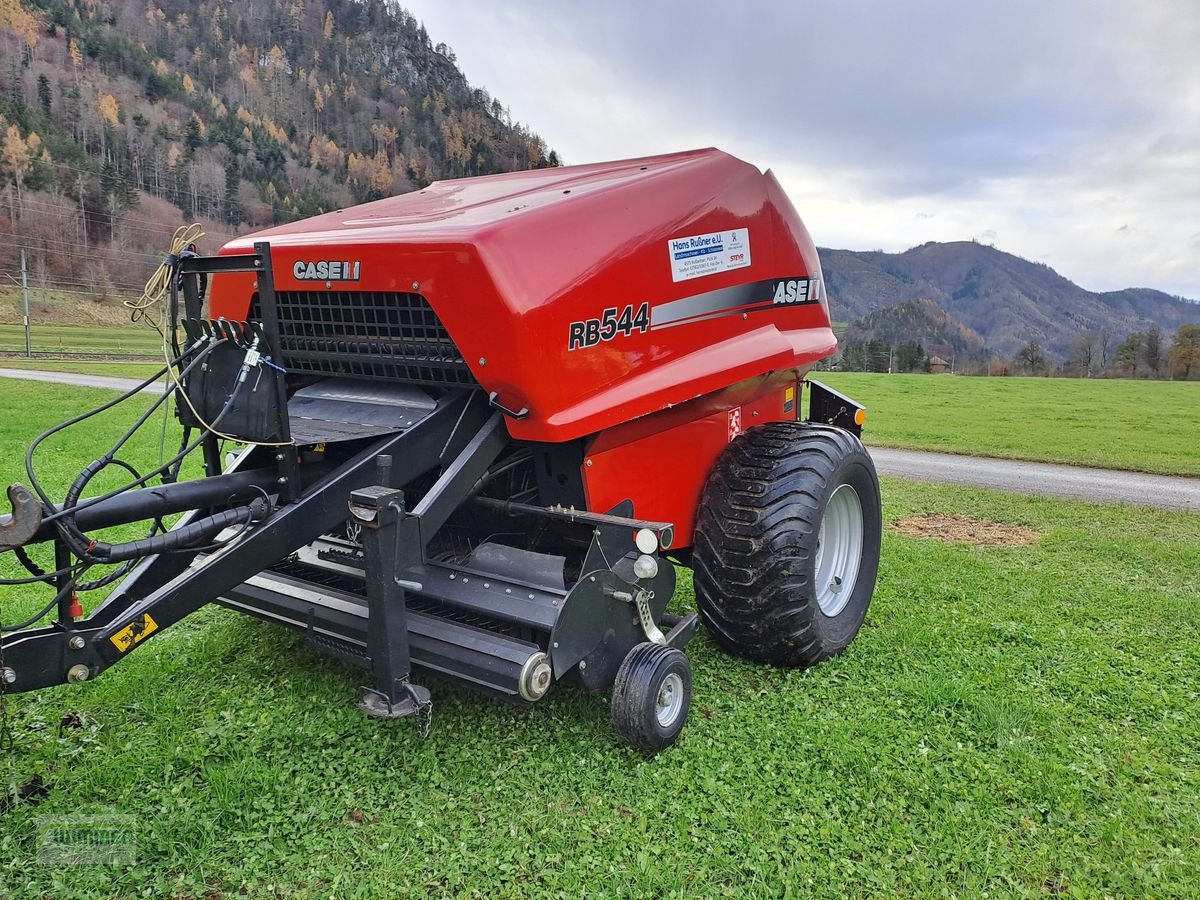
(1072, 482)
(97, 381)
(1046, 479)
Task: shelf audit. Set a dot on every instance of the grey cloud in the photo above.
(1042, 121)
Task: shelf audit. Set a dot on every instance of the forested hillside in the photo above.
(1007, 300)
(120, 120)
(901, 338)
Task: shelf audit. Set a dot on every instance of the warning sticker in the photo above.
(708, 254)
(735, 422)
(134, 633)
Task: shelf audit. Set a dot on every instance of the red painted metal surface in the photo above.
(661, 462)
(509, 262)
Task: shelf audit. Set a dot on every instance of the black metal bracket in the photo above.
(391, 543)
(827, 407)
(493, 398)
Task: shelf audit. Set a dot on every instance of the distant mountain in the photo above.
(1005, 299)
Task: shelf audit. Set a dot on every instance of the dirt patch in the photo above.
(965, 530)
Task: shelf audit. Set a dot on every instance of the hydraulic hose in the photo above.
(180, 538)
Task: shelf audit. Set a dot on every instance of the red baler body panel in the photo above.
(516, 265)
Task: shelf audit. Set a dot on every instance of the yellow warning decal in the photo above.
(134, 633)
(789, 395)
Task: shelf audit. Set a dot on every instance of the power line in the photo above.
(35, 245)
(58, 290)
(89, 290)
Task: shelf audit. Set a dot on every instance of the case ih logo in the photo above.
(326, 270)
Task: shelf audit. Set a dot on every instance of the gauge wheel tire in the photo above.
(651, 696)
(787, 543)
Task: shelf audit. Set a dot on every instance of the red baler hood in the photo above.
(517, 266)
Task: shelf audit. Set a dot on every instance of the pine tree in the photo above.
(43, 93)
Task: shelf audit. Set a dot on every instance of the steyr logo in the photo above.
(326, 270)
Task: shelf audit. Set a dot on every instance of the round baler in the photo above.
(482, 419)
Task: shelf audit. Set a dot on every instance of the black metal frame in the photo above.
(189, 271)
(490, 628)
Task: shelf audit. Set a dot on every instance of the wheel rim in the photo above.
(839, 550)
(670, 700)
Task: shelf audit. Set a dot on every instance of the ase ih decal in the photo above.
(326, 270)
(738, 300)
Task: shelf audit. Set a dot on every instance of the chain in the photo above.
(425, 718)
(6, 737)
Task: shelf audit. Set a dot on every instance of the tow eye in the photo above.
(26, 518)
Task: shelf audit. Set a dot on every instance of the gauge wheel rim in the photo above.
(669, 701)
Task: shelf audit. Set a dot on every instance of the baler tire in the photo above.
(651, 696)
(757, 543)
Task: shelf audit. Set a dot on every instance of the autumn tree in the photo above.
(1184, 357)
(14, 17)
(17, 155)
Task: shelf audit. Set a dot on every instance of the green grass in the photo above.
(122, 369)
(116, 340)
(60, 307)
(1009, 721)
(1146, 426)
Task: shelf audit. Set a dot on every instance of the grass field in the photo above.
(1011, 721)
(60, 307)
(1147, 426)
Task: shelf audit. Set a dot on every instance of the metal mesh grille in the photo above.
(366, 334)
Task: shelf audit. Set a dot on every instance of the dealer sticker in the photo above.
(708, 254)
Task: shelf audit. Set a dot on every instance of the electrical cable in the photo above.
(66, 589)
(160, 282)
(158, 540)
(211, 428)
(75, 420)
(139, 482)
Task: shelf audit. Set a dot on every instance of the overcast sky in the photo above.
(1066, 132)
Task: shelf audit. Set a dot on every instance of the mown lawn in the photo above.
(1010, 721)
(1146, 426)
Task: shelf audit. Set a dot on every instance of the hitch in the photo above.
(26, 518)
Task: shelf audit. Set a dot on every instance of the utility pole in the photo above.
(25, 298)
